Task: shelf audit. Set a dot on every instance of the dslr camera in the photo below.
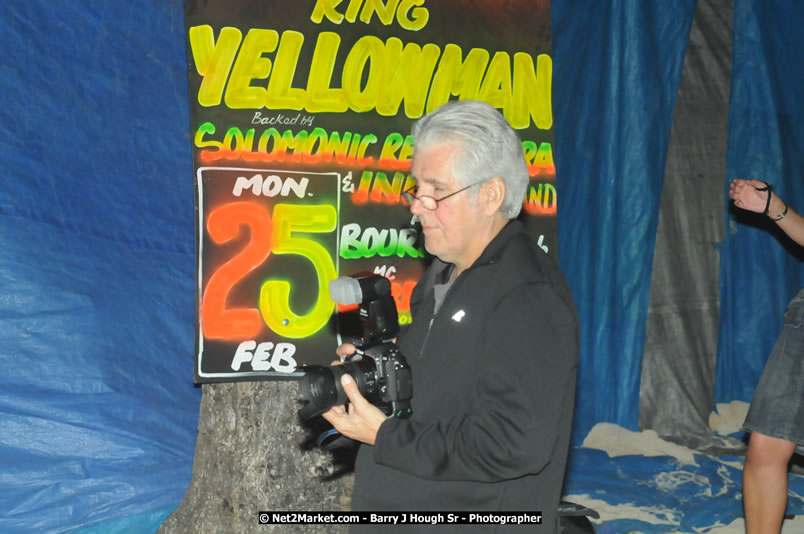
(380, 371)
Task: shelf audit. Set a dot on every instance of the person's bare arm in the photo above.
(748, 195)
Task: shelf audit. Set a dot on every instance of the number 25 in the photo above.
(266, 236)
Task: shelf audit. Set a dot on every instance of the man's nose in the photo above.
(416, 206)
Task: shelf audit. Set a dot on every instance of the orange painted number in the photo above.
(223, 225)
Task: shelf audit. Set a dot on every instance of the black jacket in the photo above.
(493, 393)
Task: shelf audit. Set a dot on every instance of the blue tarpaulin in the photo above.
(97, 406)
(761, 269)
(618, 66)
(98, 412)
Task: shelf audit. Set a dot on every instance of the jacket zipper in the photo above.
(426, 336)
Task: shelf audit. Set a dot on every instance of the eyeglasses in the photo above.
(430, 203)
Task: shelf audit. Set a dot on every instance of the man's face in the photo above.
(448, 230)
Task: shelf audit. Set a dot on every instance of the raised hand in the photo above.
(751, 195)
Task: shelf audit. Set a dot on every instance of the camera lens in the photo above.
(322, 388)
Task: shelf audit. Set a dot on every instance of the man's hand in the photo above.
(361, 420)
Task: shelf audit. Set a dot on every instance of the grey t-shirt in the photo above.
(439, 292)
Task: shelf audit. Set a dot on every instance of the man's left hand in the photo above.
(361, 421)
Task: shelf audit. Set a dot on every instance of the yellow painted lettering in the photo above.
(320, 97)
(235, 141)
(456, 76)
(368, 139)
(532, 92)
(383, 10)
(206, 128)
(294, 143)
(326, 8)
(274, 301)
(251, 65)
(353, 9)
(213, 60)
(408, 77)
(420, 15)
(271, 134)
(317, 139)
(280, 93)
(392, 143)
(367, 50)
(496, 87)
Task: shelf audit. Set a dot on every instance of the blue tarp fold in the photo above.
(98, 412)
(97, 408)
(760, 268)
(618, 66)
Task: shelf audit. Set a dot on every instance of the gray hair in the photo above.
(487, 147)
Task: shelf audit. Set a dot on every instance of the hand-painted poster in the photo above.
(301, 114)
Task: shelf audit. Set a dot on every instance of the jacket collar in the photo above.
(490, 254)
(496, 246)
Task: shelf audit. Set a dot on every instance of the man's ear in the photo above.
(493, 195)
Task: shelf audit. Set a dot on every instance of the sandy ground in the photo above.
(609, 512)
(617, 441)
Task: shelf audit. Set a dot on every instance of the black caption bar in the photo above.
(400, 518)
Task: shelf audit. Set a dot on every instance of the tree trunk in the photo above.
(253, 454)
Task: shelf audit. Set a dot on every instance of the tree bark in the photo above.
(254, 454)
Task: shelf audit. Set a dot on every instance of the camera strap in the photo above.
(332, 439)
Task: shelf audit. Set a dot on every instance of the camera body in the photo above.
(382, 376)
(380, 371)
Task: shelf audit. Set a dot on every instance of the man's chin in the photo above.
(432, 248)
